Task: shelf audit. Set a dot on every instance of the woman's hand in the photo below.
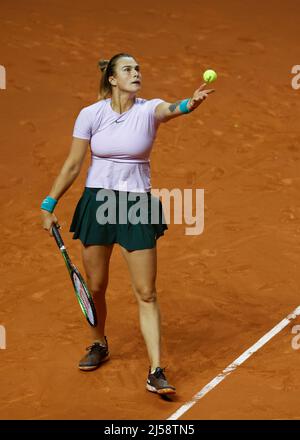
(48, 220)
(199, 96)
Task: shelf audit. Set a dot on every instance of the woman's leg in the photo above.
(142, 266)
(96, 264)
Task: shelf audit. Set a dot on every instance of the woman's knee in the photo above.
(146, 294)
(96, 263)
(97, 285)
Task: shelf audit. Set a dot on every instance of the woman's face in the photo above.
(127, 77)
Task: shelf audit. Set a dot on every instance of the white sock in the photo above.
(152, 371)
(100, 342)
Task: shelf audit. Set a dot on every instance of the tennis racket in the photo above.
(81, 290)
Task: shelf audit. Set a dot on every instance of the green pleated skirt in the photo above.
(97, 219)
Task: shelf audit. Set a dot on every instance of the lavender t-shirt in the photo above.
(120, 144)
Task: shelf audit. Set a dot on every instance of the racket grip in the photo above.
(57, 236)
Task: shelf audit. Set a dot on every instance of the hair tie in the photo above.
(102, 64)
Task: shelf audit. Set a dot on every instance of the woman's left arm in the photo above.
(166, 110)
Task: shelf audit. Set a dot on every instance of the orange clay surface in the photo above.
(220, 291)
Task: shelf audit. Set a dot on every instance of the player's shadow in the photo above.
(169, 398)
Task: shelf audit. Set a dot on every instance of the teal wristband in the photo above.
(48, 204)
(183, 106)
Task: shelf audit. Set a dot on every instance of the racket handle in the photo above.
(57, 236)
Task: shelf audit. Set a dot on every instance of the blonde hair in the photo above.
(108, 68)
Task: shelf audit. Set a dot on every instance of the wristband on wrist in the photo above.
(183, 106)
(48, 204)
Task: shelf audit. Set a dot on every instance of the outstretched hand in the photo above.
(199, 96)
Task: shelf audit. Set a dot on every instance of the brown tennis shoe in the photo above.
(97, 354)
(157, 382)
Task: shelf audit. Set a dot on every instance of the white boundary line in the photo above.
(232, 367)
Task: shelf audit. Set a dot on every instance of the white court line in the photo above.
(255, 347)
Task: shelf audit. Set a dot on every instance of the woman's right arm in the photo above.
(70, 170)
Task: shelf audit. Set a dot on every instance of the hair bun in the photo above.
(102, 64)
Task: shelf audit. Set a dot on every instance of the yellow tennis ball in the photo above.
(209, 75)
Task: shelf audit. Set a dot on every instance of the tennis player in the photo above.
(120, 129)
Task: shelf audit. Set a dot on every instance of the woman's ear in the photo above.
(112, 80)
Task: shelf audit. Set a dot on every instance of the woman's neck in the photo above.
(121, 104)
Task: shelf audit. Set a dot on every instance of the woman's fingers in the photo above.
(205, 93)
(49, 221)
(199, 94)
(201, 97)
(50, 229)
(54, 222)
(202, 86)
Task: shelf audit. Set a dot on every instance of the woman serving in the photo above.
(120, 129)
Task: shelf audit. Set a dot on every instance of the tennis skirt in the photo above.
(96, 220)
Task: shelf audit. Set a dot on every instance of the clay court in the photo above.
(219, 291)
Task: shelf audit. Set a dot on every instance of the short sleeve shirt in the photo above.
(124, 139)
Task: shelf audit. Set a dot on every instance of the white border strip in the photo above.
(232, 367)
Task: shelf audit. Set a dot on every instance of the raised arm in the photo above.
(166, 110)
